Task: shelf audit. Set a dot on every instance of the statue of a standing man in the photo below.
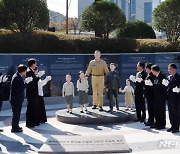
(97, 68)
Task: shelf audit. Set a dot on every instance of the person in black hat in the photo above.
(173, 97)
(160, 94)
(113, 86)
(149, 94)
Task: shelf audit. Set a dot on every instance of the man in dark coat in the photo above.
(173, 98)
(32, 117)
(113, 85)
(139, 92)
(160, 94)
(149, 94)
(17, 95)
(1, 90)
(3, 79)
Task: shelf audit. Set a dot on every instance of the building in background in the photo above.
(133, 9)
(82, 5)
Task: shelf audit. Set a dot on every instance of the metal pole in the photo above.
(66, 16)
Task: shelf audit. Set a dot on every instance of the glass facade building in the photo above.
(148, 12)
(123, 6)
(133, 10)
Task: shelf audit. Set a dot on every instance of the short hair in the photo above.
(128, 80)
(113, 64)
(155, 68)
(31, 61)
(68, 75)
(97, 51)
(172, 65)
(141, 64)
(21, 68)
(80, 72)
(148, 65)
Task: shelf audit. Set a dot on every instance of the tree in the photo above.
(23, 15)
(103, 17)
(136, 29)
(73, 24)
(166, 18)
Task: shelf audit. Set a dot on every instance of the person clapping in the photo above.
(41, 106)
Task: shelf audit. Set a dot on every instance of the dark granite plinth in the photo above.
(95, 116)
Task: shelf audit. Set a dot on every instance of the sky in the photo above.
(60, 6)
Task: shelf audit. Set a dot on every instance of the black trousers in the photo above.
(32, 115)
(160, 111)
(173, 105)
(16, 109)
(140, 106)
(111, 93)
(150, 107)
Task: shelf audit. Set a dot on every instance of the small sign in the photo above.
(85, 144)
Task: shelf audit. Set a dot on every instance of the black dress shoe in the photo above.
(142, 120)
(137, 120)
(16, 130)
(159, 128)
(175, 131)
(19, 127)
(149, 124)
(110, 110)
(169, 130)
(153, 126)
(81, 111)
(29, 126)
(1, 130)
(94, 107)
(100, 109)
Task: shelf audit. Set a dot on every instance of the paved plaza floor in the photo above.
(140, 139)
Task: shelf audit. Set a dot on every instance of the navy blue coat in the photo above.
(175, 81)
(17, 89)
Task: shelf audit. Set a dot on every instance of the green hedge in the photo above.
(155, 45)
(46, 42)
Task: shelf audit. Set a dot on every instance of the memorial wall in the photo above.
(58, 65)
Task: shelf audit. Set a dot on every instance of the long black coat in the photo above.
(32, 113)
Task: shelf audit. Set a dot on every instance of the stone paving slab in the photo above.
(140, 139)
